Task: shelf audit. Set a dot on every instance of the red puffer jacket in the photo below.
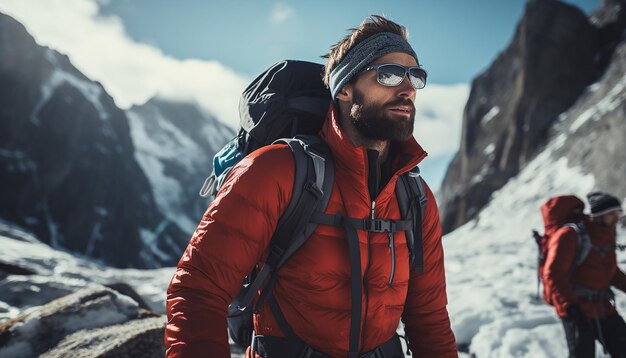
(598, 272)
(313, 287)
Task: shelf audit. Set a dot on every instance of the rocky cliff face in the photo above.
(555, 54)
(67, 161)
(593, 130)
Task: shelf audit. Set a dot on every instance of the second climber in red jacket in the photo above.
(582, 294)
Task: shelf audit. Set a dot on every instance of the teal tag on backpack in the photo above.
(226, 158)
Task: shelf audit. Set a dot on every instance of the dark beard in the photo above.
(372, 122)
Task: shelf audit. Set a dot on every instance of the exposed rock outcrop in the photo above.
(555, 54)
(137, 338)
(595, 128)
(43, 328)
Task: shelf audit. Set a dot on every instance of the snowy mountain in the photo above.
(83, 175)
(555, 54)
(174, 145)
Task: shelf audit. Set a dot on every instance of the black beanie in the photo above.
(602, 203)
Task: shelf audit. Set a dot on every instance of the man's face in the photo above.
(610, 219)
(384, 113)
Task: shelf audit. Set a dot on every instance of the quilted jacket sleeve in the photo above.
(427, 324)
(560, 258)
(230, 239)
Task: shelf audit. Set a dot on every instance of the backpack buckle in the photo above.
(379, 225)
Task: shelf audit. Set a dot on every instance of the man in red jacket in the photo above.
(581, 294)
(373, 75)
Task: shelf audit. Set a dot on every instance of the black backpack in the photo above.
(287, 99)
(288, 104)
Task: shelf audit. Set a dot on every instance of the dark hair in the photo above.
(372, 25)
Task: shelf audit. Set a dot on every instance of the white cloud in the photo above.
(439, 117)
(281, 12)
(131, 72)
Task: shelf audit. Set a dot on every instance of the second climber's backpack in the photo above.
(559, 211)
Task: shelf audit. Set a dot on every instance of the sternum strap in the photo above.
(371, 225)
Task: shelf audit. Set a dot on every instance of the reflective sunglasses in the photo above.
(391, 74)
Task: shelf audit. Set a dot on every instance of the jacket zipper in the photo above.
(392, 247)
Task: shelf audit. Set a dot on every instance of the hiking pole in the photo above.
(537, 238)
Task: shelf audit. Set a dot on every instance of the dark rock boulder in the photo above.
(42, 328)
(137, 338)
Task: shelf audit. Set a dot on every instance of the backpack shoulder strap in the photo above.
(314, 176)
(584, 243)
(412, 200)
(583, 247)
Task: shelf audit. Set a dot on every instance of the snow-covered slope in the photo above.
(56, 304)
(76, 304)
(491, 265)
(56, 273)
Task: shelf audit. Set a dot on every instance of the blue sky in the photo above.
(208, 51)
(455, 39)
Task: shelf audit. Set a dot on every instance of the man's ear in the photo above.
(345, 93)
